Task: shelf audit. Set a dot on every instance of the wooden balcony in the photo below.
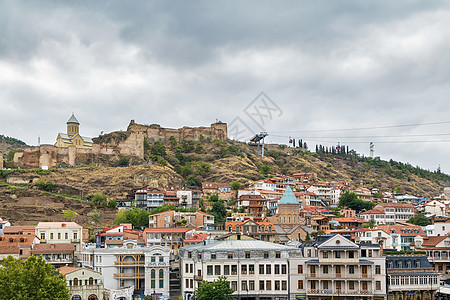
(129, 263)
(129, 275)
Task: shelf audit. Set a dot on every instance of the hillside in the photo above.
(8, 144)
(190, 163)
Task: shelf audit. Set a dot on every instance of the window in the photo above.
(283, 269)
(153, 278)
(199, 255)
(42, 235)
(189, 254)
(217, 270)
(351, 254)
(300, 269)
(313, 285)
(377, 269)
(234, 270)
(364, 271)
(261, 285)
(244, 286)
(337, 254)
(277, 254)
(268, 269)
(325, 285)
(59, 235)
(153, 259)
(66, 236)
(51, 235)
(234, 285)
(369, 253)
(268, 285)
(364, 285)
(247, 254)
(351, 269)
(300, 285)
(75, 282)
(351, 285)
(338, 271)
(261, 269)
(325, 254)
(277, 285)
(266, 254)
(186, 267)
(277, 269)
(75, 236)
(325, 269)
(213, 256)
(243, 269)
(209, 270)
(226, 270)
(251, 269)
(417, 263)
(230, 255)
(378, 285)
(313, 270)
(161, 279)
(251, 285)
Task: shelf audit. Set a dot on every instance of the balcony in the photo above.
(129, 275)
(330, 275)
(129, 263)
(198, 278)
(339, 292)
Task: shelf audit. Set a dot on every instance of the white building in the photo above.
(255, 269)
(61, 232)
(336, 268)
(389, 213)
(144, 268)
(83, 283)
(3, 224)
(436, 207)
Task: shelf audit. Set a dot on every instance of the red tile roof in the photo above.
(169, 229)
(53, 248)
(65, 270)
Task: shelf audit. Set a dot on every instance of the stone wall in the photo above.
(155, 132)
(133, 145)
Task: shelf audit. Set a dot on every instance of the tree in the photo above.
(419, 220)
(96, 215)
(33, 279)
(218, 211)
(235, 185)
(98, 200)
(112, 203)
(351, 200)
(45, 185)
(69, 215)
(173, 141)
(217, 290)
(136, 216)
(265, 169)
(124, 161)
(158, 149)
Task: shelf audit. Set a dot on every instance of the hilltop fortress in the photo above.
(107, 148)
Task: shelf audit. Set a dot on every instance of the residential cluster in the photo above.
(285, 237)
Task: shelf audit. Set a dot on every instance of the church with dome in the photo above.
(73, 137)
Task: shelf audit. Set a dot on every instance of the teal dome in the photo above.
(288, 197)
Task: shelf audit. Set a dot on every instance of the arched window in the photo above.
(230, 228)
(91, 281)
(237, 228)
(153, 278)
(161, 278)
(75, 282)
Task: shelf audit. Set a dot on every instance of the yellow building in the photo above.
(73, 137)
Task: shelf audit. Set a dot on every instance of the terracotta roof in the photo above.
(396, 205)
(57, 225)
(9, 249)
(373, 212)
(432, 241)
(196, 238)
(18, 239)
(17, 229)
(349, 220)
(398, 229)
(169, 229)
(65, 270)
(53, 248)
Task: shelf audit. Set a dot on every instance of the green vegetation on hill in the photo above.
(11, 140)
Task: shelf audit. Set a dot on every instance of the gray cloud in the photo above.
(326, 64)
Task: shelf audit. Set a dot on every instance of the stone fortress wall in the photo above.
(133, 145)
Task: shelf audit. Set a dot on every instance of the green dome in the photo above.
(288, 197)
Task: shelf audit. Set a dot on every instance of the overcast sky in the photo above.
(324, 65)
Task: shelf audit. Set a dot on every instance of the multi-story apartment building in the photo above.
(171, 237)
(438, 252)
(58, 255)
(172, 218)
(255, 205)
(149, 198)
(336, 268)
(144, 268)
(255, 269)
(389, 213)
(62, 232)
(410, 277)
